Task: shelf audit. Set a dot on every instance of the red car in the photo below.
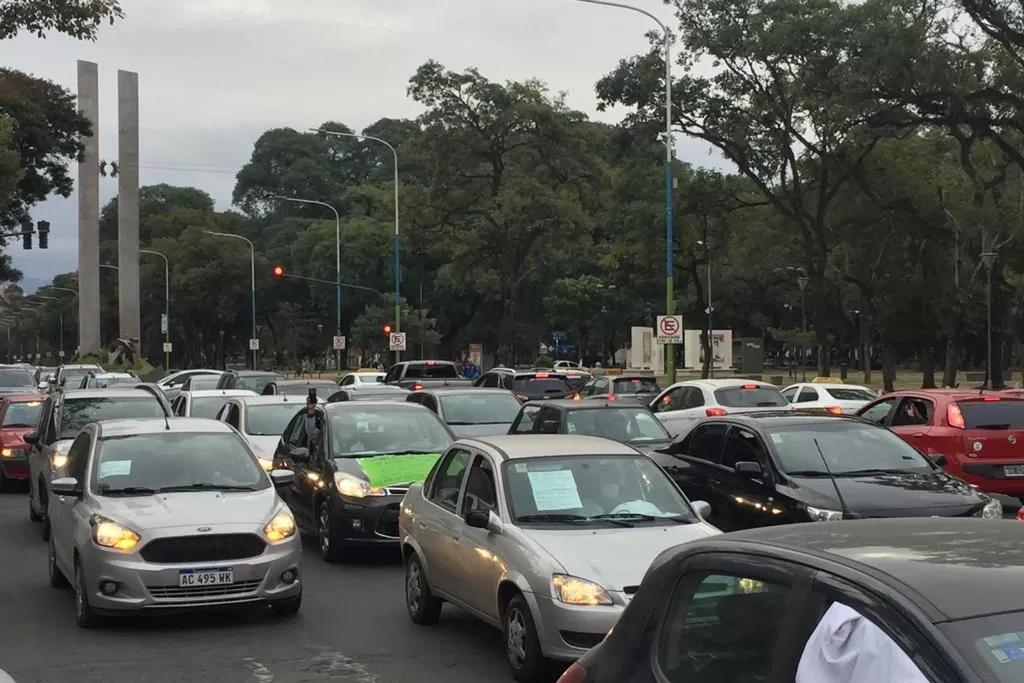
(18, 416)
(980, 435)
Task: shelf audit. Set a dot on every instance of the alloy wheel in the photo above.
(413, 587)
(325, 531)
(515, 645)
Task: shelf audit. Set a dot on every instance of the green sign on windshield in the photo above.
(388, 470)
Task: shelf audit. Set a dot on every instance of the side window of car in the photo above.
(291, 433)
(693, 397)
(44, 420)
(879, 413)
(481, 492)
(430, 403)
(670, 400)
(806, 395)
(49, 428)
(78, 456)
(550, 420)
(527, 417)
(233, 416)
(444, 488)
(721, 627)
(743, 446)
(394, 373)
(588, 388)
(790, 393)
(707, 441)
(913, 411)
(602, 386)
(347, 380)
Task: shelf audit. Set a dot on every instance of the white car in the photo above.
(362, 379)
(838, 399)
(683, 403)
(261, 420)
(206, 403)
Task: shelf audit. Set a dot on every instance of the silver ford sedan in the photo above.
(546, 537)
(169, 514)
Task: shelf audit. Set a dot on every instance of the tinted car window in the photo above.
(321, 388)
(633, 425)
(78, 412)
(23, 414)
(469, 409)
(846, 446)
(993, 414)
(424, 371)
(848, 394)
(750, 396)
(17, 378)
(533, 386)
(994, 645)
(255, 383)
(207, 406)
(637, 385)
(269, 420)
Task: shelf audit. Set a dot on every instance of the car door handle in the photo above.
(918, 434)
(714, 482)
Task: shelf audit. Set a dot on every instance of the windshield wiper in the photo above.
(17, 424)
(402, 452)
(105, 490)
(807, 473)
(205, 486)
(644, 517)
(992, 426)
(857, 473)
(553, 518)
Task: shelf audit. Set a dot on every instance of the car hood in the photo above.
(471, 431)
(614, 558)
(265, 446)
(14, 436)
(192, 508)
(890, 495)
(18, 391)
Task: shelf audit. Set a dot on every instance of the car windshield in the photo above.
(270, 420)
(396, 396)
(431, 371)
(171, 461)
(321, 388)
(848, 447)
(998, 414)
(632, 425)
(479, 409)
(206, 406)
(22, 414)
(78, 412)
(850, 394)
(751, 396)
(636, 385)
(72, 378)
(203, 382)
(103, 382)
(591, 489)
(43, 373)
(369, 431)
(256, 383)
(994, 645)
(21, 379)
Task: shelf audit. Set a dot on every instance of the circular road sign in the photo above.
(669, 326)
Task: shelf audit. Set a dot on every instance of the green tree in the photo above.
(79, 19)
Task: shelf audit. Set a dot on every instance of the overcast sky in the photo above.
(215, 74)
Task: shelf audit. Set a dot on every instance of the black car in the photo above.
(297, 387)
(253, 380)
(628, 388)
(939, 597)
(379, 392)
(528, 386)
(470, 412)
(761, 469)
(632, 424)
(348, 489)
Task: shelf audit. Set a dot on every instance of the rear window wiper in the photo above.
(205, 486)
(126, 491)
(991, 426)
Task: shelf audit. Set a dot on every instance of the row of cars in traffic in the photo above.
(539, 511)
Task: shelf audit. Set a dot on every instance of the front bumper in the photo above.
(370, 521)
(148, 586)
(566, 632)
(14, 468)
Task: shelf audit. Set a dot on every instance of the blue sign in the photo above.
(559, 336)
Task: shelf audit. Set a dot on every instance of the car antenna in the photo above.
(832, 478)
(167, 423)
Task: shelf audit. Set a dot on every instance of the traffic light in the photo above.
(26, 238)
(387, 329)
(43, 229)
(278, 272)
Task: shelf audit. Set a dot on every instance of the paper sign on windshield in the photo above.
(554, 490)
(388, 470)
(115, 468)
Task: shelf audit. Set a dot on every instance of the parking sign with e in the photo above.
(669, 329)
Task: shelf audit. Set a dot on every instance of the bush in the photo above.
(544, 361)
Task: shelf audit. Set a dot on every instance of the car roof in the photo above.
(515, 446)
(298, 382)
(298, 400)
(960, 567)
(365, 372)
(80, 366)
(827, 385)
(254, 373)
(122, 391)
(714, 384)
(345, 406)
(782, 418)
(155, 425)
(448, 391)
(589, 404)
(113, 375)
(206, 393)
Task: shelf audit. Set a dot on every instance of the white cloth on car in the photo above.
(847, 648)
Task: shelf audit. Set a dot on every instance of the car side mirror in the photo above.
(751, 470)
(380, 380)
(65, 486)
(31, 438)
(300, 455)
(702, 508)
(282, 478)
(938, 459)
(484, 519)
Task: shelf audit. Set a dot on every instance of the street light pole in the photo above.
(337, 255)
(252, 260)
(167, 304)
(60, 317)
(801, 282)
(398, 240)
(670, 304)
(989, 259)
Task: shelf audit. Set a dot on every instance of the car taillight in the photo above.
(417, 387)
(991, 398)
(1020, 514)
(574, 674)
(749, 386)
(542, 375)
(577, 397)
(834, 410)
(611, 397)
(716, 412)
(521, 398)
(954, 417)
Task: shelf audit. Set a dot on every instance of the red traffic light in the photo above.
(278, 271)
(387, 329)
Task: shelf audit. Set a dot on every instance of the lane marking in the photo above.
(259, 670)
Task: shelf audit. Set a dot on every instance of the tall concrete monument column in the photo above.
(89, 214)
(128, 205)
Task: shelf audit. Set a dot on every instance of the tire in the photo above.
(424, 609)
(5, 483)
(331, 545)
(57, 578)
(287, 608)
(522, 646)
(32, 514)
(84, 614)
(45, 531)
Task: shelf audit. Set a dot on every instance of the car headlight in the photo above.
(266, 464)
(282, 526)
(993, 510)
(573, 590)
(8, 453)
(108, 534)
(823, 514)
(354, 487)
(58, 460)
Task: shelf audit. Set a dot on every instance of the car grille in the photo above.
(396, 491)
(203, 592)
(183, 549)
(387, 523)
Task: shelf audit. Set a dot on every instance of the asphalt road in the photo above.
(353, 627)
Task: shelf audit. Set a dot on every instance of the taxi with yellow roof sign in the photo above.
(833, 398)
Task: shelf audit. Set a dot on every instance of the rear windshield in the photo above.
(757, 396)
(636, 385)
(22, 414)
(256, 383)
(325, 388)
(848, 394)
(78, 412)
(17, 379)
(539, 387)
(993, 414)
(424, 371)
